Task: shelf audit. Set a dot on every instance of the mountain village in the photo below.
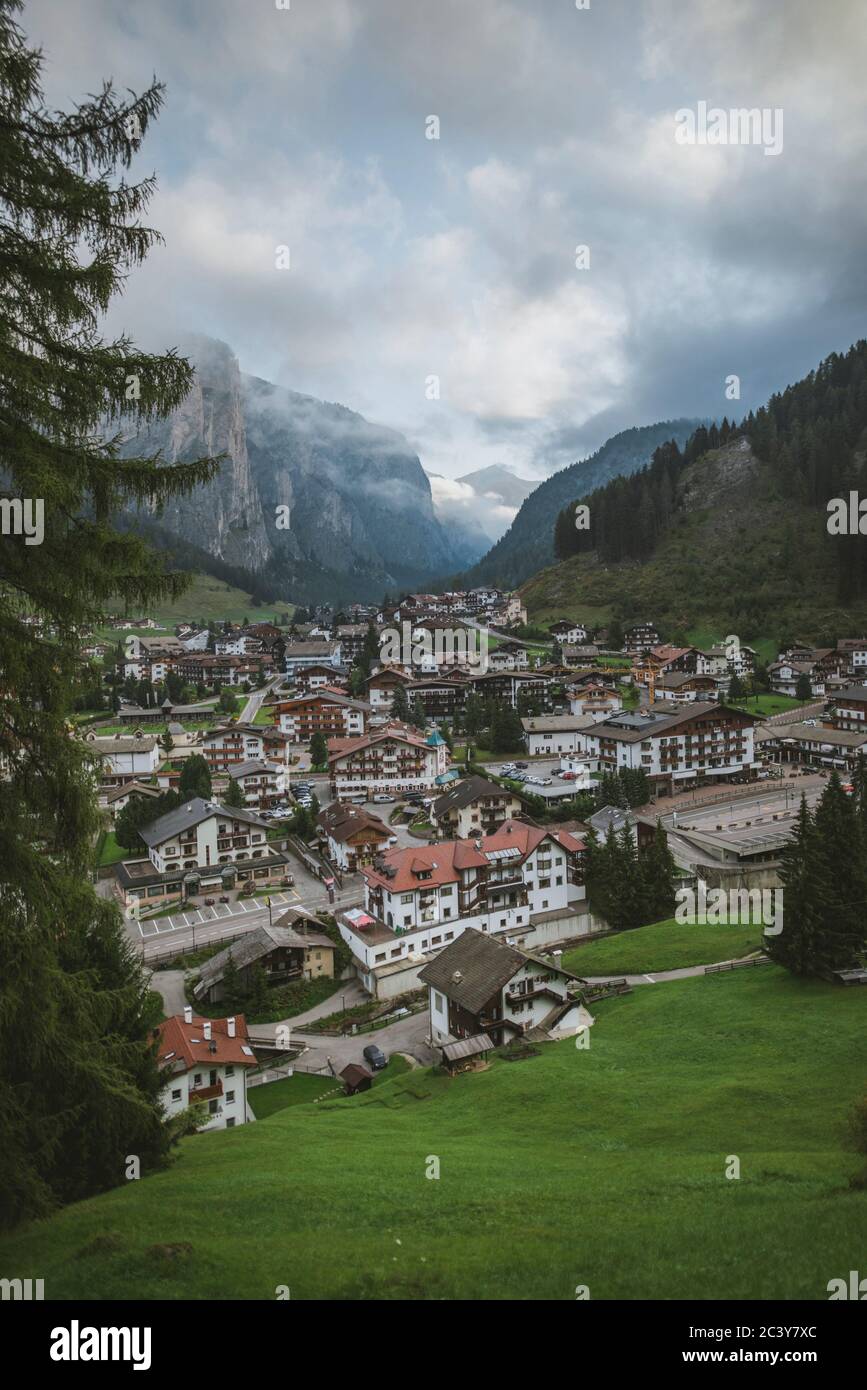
(351, 829)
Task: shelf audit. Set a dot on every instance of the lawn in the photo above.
(303, 1087)
(300, 1089)
(265, 715)
(602, 1166)
(666, 945)
(769, 704)
(111, 852)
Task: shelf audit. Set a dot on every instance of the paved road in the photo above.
(255, 701)
(659, 977)
(407, 1035)
(155, 939)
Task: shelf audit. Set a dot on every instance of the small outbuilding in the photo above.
(356, 1078)
(466, 1052)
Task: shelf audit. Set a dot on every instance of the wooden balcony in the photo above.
(205, 1093)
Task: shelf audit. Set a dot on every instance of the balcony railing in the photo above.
(205, 1092)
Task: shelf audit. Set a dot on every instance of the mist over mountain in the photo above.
(479, 506)
(311, 499)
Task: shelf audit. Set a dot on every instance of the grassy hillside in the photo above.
(740, 557)
(602, 1167)
(208, 598)
(666, 945)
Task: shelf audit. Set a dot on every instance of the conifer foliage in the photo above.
(629, 889)
(78, 1080)
(824, 875)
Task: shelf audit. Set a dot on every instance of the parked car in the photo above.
(209, 902)
(375, 1057)
(383, 796)
(520, 764)
(224, 898)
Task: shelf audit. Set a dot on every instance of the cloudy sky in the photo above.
(455, 258)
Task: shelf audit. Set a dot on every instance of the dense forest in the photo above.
(809, 436)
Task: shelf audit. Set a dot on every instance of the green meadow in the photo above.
(602, 1166)
(668, 945)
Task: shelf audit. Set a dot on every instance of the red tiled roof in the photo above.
(186, 1043)
(445, 861)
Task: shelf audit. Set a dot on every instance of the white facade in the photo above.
(143, 758)
(225, 1111)
(427, 918)
(392, 764)
(220, 839)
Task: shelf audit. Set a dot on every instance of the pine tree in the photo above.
(400, 704)
(79, 1084)
(233, 795)
(658, 876)
(318, 750)
(798, 945)
(195, 779)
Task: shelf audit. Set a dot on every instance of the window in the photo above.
(438, 1002)
(197, 1079)
(230, 1071)
(212, 1107)
(176, 1095)
(230, 1097)
(230, 1124)
(406, 897)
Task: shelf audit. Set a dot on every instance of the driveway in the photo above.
(407, 1035)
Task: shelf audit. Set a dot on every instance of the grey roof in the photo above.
(467, 1047)
(246, 769)
(193, 813)
(124, 745)
(818, 733)
(465, 792)
(472, 969)
(250, 947)
(852, 692)
(608, 817)
(558, 723)
(134, 789)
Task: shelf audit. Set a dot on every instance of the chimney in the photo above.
(230, 1024)
(208, 1031)
(188, 1013)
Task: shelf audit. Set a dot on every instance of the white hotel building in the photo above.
(678, 746)
(521, 881)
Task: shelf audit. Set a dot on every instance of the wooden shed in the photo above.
(356, 1078)
(467, 1052)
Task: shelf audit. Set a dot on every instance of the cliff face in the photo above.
(355, 509)
(356, 494)
(224, 517)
